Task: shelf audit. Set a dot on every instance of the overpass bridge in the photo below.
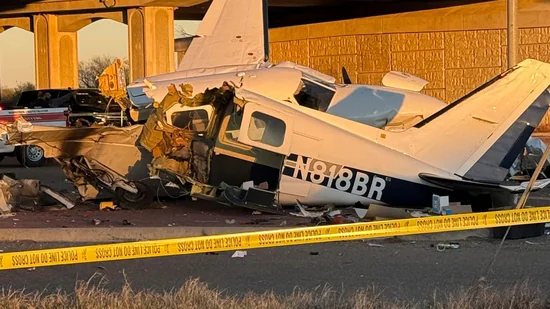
(150, 32)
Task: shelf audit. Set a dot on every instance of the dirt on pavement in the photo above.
(167, 214)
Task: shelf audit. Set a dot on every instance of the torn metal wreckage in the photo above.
(27, 193)
(130, 161)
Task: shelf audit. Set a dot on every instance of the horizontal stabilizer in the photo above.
(401, 80)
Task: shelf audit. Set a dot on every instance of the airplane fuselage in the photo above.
(372, 105)
(355, 112)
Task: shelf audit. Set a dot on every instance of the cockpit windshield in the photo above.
(314, 95)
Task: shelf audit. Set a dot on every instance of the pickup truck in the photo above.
(30, 156)
(65, 108)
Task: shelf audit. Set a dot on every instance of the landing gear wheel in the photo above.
(142, 199)
(31, 156)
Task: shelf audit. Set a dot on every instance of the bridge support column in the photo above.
(55, 54)
(150, 41)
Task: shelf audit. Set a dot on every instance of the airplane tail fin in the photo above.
(479, 136)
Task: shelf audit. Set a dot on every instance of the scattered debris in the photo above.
(107, 205)
(60, 198)
(439, 203)
(533, 243)
(370, 244)
(419, 214)
(313, 253)
(26, 192)
(443, 246)
(126, 222)
(308, 214)
(239, 254)
(283, 223)
(256, 213)
(5, 206)
(327, 214)
(96, 221)
(361, 212)
(232, 221)
(525, 163)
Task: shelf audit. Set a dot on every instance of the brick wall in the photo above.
(454, 62)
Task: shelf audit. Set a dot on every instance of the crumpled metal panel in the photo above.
(115, 147)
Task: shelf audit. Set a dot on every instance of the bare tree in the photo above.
(91, 69)
(12, 94)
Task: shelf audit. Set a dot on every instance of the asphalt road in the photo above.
(398, 269)
(50, 174)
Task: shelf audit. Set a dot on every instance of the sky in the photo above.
(104, 37)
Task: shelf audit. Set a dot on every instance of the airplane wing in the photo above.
(232, 33)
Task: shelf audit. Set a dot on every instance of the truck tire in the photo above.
(31, 156)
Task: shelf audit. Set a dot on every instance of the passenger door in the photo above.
(266, 128)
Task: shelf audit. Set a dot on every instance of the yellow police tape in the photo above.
(276, 238)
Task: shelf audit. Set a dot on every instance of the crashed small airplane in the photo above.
(231, 127)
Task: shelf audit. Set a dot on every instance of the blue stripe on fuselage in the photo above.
(390, 190)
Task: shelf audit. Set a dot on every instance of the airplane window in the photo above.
(314, 96)
(266, 129)
(196, 120)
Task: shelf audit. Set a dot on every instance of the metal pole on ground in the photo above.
(512, 29)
